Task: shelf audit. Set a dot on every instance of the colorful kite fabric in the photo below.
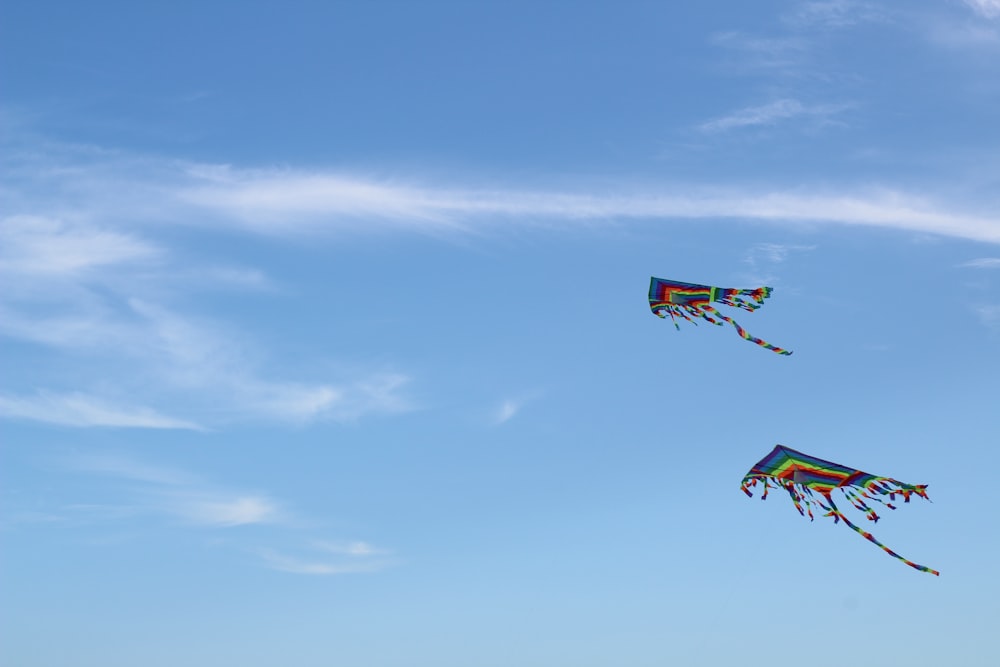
(804, 476)
(688, 300)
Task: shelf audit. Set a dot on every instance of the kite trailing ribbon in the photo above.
(691, 301)
(804, 476)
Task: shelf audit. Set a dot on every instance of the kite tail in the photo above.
(674, 312)
(800, 499)
(734, 297)
(886, 486)
(838, 515)
(743, 332)
(802, 502)
(858, 500)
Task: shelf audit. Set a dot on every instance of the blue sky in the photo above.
(325, 333)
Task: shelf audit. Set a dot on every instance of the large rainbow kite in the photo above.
(690, 300)
(804, 476)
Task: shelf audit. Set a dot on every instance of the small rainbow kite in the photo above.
(689, 300)
(804, 476)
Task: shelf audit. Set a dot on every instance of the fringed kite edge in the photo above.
(803, 497)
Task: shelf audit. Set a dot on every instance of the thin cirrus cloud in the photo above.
(290, 202)
(39, 247)
(990, 315)
(299, 565)
(190, 360)
(331, 558)
(766, 53)
(774, 253)
(277, 204)
(351, 548)
(512, 406)
(982, 263)
(832, 14)
(92, 292)
(506, 411)
(129, 469)
(986, 8)
(762, 258)
(771, 114)
(977, 34)
(78, 409)
(145, 491)
(161, 490)
(237, 511)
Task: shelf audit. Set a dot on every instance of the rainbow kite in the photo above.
(804, 476)
(688, 300)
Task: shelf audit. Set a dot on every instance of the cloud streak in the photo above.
(512, 406)
(832, 14)
(190, 502)
(989, 315)
(770, 114)
(989, 9)
(768, 53)
(982, 263)
(762, 258)
(331, 558)
(40, 247)
(226, 512)
(95, 294)
(290, 202)
(279, 207)
(506, 411)
(161, 490)
(77, 409)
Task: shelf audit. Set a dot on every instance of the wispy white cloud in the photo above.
(83, 281)
(335, 558)
(287, 202)
(976, 33)
(832, 14)
(237, 511)
(187, 501)
(283, 201)
(965, 35)
(430, 208)
(30, 517)
(80, 302)
(130, 469)
(251, 279)
(179, 494)
(351, 548)
(986, 8)
(989, 314)
(982, 263)
(35, 246)
(774, 252)
(770, 114)
(506, 411)
(378, 393)
(768, 53)
(205, 357)
(762, 258)
(284, 563)
(76, 409)
(511, 406)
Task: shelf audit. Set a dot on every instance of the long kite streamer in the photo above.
(804, 476)
(690, 301)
